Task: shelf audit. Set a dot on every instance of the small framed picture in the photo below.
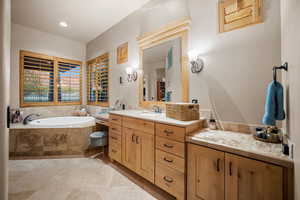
(122, 53)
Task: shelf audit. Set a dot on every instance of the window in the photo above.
(47, 80)
(97, 81)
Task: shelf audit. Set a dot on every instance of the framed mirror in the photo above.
(164, 65)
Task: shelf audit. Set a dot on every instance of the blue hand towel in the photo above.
(274, 108)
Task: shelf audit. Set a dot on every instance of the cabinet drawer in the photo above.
(170, 160)
(115, 128)
(115, 138)
(170, 146)
(170, 180)
(116, 119)
(114, 151)
(170, 132)
(138, 124)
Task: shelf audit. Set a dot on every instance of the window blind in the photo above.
(38, 80)
(97, 79)
(69, 81)
(48, 80)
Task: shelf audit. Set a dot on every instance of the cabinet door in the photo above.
(205, 173)
(145, 158)
(129, 148)
(248, 179)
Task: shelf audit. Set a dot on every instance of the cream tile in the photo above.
(70, 179)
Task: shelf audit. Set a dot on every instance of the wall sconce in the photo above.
(131, 74)
(197, 65)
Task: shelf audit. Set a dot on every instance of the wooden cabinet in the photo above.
(215, 175)
(115, 139)
(170, 159)
(248, 179)
(138, 149)
(205, 174)
(153, 150)
(115, 119)
(170, 180)
(129, 148)
(145, 155)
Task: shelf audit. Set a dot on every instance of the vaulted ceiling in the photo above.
(86, 19)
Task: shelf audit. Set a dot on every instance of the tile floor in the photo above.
(70, 179)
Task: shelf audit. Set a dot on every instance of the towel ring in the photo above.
(274, 74)
(284, 66)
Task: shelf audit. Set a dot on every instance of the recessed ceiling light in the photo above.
(63, 24)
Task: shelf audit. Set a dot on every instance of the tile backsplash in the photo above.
(50, 111)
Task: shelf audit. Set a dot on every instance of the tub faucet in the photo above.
(28, 118)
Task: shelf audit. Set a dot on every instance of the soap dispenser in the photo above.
(212, 123)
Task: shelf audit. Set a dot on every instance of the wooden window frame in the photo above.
(95, 60)
(55, 61)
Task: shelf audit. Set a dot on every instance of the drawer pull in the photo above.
(167, 160)
(137, 139)
(114, 138)
(114, 119)
(168, 179)
(168, 146)
(114, 151)
(218, 164)
(230, 168)
(132, 138)
(114, 129)
(168, 132)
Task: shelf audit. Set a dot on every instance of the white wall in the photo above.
(4, 91)
(237, 64)
(126, 31)
(291, 47)
(24, 38)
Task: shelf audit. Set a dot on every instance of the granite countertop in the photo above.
(151, 116)
(104, 116)
(241, 144)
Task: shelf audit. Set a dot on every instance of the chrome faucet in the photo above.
(28, 118)
(156, 109)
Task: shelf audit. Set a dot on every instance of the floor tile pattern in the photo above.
(70, 179)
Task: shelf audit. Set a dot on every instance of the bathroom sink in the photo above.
(149, 114)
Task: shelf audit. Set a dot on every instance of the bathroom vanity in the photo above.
(153, 146)
(231, 165)
(194, 164)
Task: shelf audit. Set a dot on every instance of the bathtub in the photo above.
(63, 136)
(58, 122)
(63, 122)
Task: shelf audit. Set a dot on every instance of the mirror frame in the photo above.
(177, 29)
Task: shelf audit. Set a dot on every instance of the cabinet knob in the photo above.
(168, 132)
(168, 179)
(168, 145)
(168, 160)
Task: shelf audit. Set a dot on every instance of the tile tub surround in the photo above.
(70, 179)
(241, 144)
(50, 111)
(155, 117)
(48, 141)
